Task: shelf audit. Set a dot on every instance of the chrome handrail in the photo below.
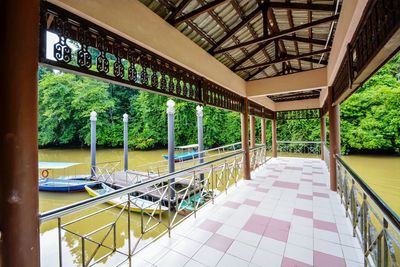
(304, 147)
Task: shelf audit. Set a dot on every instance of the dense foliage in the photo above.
(370, 118)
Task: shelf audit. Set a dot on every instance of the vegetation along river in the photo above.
(382, 173)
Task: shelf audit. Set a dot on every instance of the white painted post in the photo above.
(171, 141)
(200, 139)
(93, 119)
(125, 120)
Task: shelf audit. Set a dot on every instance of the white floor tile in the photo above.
(353, 254)
(241, 250)
(328, 247)
(326, 235)
(193, 263)
(187, 247)
(228, 231)
(299, 253)
(266, 258)
(173, 259)
(249, 238)
(301, 240)
(275, 246)
(232, 261)
(208, 256)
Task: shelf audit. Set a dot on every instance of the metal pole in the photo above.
(93, 119)
(19, 203)
(125, 120)
(171, 142)
(200, 140)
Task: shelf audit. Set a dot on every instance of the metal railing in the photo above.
(108, 234)
(327, 154)
(376, 226)
(299, 147)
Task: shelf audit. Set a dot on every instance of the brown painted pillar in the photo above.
(263, 131)
(323, 135)
(274, 137)
(245, 140)
(252, 131)
(334, 139)
(19, 224)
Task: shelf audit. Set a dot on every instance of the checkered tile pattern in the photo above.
(285, 216)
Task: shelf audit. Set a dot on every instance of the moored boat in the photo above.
(188, 152)
(137, 204)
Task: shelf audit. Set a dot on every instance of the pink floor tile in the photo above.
(219, 242)
(288, 262)
(302, 196)
(326, 260)
(279, 224)
(276, 233)
(251, 202)
(254, 228)
(259, 219)
(328, 226)
(232, 204)
(263, 190)
(253, 185)
(286, 185)
(303, 213)
(317, 194)
(210, 225)
(319, 184)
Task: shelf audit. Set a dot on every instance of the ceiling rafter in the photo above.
(310, 31)
(315, 61)
(280, 34)
(178, 10)
(301, 6)
(291, 24)
(237, 28)
(197, 12)
(305, 40)
(286, 58)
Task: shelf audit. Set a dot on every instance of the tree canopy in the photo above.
(370, 118)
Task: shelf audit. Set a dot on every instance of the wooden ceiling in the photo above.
(292, 96)
(257, 38)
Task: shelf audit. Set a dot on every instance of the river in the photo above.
(382, 173)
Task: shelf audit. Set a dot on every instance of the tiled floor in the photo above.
(285, 216)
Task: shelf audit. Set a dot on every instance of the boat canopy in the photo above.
(187, 146)
(56, 165)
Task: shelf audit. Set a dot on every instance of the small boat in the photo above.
(187, 205)
(137, 204)
(187, 152)
(64, 183)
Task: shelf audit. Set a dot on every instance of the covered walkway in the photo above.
(285, 216)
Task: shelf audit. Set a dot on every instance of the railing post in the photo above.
(129, 231)
(93, 119)
(125, 121)
(171, 141)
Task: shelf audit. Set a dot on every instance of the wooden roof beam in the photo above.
(197, 12)
(301, 6)
(237, 28)
(279, 35)
(182, 5)
(315, 61)
(305, 40)
(286, 58)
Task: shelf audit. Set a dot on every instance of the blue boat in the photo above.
(64, 185)
(189, 152)
(61, 184)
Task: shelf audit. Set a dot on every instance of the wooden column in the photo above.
(19, 222)
(274, 137)
(323, 135)
(334, 139)
(245, 140)
(264, 131)
(252, 131)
